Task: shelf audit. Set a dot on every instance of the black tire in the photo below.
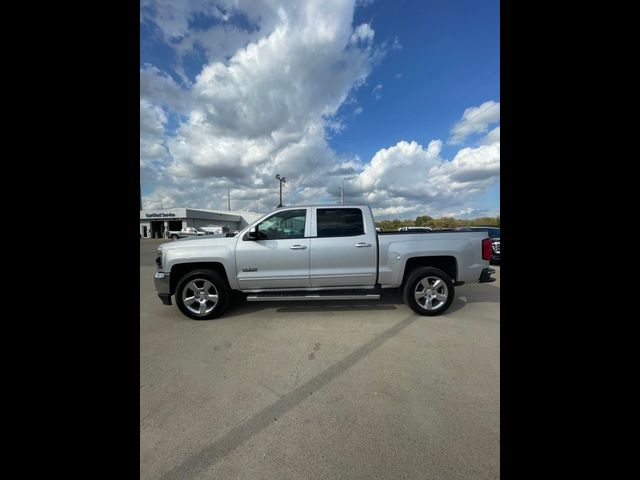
(438, 300)
(174, 237)
(198, 279)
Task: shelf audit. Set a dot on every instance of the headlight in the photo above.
(159, 259)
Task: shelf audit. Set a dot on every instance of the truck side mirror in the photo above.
(252, 234)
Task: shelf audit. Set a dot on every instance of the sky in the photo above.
(396, 101)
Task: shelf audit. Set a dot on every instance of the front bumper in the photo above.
(485, 276)
(162, 283)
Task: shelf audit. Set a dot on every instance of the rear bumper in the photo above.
(161, 281)
(485, 276)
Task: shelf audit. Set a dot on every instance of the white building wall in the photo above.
(236, 220)
(247, 218)
(205, 223)
(142, 232)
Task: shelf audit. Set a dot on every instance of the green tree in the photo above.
(442, 222)
(423, 220)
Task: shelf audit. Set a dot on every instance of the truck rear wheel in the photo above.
(202, 295)
(174, 237)
(428, 291)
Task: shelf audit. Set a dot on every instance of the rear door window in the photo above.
(339, 222)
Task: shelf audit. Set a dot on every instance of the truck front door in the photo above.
(279, 257)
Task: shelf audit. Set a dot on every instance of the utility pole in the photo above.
(281, 180)
(342, 191)
(229, 199)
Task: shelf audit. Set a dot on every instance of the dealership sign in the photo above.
(160, 215)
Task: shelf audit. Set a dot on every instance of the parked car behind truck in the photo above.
(216, 229)
(320, 253)
(414, 229)
(187, 232)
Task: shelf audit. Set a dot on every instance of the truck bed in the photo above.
(396, 248)
(425, 232)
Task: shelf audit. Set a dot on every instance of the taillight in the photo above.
(486, 249)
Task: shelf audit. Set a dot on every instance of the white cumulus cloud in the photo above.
(269, 107)
(266, 100)
(492, 137)
(410, 179)
(475, 120)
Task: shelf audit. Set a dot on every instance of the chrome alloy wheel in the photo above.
(431, 293)
(200, 296)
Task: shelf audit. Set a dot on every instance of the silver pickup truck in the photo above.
(321, 252)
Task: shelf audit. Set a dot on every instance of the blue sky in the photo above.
(399, 100)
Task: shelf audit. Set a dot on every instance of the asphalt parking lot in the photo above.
(320, 390)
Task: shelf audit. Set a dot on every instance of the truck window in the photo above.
(288, 224)
(340, 222)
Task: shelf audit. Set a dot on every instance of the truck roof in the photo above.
(323, 206)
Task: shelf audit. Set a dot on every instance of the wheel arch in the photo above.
(446, 263)
(179, 270)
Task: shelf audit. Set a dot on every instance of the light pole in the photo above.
(281, 180)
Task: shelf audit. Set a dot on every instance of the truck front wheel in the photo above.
(428, 291)
(202, 295)
(174, 237)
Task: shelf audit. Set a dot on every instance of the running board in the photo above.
(294, 296)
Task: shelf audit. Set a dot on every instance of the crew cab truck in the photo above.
(321, 252)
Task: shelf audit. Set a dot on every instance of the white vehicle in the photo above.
(216, 229)
(186, 232)
(415, 229)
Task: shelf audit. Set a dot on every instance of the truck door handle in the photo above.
(362, 244)
(297, 247)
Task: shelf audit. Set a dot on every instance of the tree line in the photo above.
(442, 222)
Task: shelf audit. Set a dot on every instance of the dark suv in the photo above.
(494, 233)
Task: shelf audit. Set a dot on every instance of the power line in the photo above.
(455, 105)
(497, 104)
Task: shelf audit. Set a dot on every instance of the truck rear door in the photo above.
(342, 250)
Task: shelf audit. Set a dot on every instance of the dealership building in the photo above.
(154, 223)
